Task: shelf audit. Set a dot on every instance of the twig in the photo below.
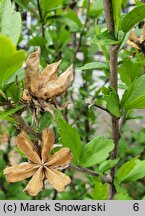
(106, 179)
(100, 107)
(82, 32)
(108, 14)
(2, 187)
(122, 122)
(113, 82)
(55, 195)
(41, 18)
(24, 126)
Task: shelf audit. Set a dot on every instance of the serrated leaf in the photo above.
(100, 191)
(112, 102)
(137, 172)
(70, 138)
(107, 165)
(96, 151)
(129, 71)
(10, 21)
(105, 38)
(134, 96)
(132, 18)
(124, 170)
(10, 59)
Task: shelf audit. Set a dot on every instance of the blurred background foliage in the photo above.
(66, 29)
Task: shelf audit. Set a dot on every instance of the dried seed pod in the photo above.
(25, 145)
(142, 37)
(137, 42)
(60, 158)
(57, 179)
(20, 172)
(46, 167)
(46, 85)
(35, 185)
(50, 72)
(48, 139)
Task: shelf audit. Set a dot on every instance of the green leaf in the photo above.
(20, 152)
(133, 17)
(134, 96)
(2, 195)
(96, 8)
(10, 59)
(14, 92)
(116, 13)
(69, 19)
(112, 100)
(74, 17)
(19, 75)
(49, 5)
(100, 191)
(4, 114)
(45, 121)
(24, 4)
(124, 170)
(105, 38)
(2, 161)
(95, 65)
(10, 21)
(107, 165)
(96, 151)
(38, 41)
(122, 194)
(70, 138)
(137, 172)
(129, 71)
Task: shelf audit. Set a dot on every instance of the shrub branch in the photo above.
(113, 82)
(106, 179)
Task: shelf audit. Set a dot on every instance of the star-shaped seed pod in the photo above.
(40, 168)
(47, 84)
(137, 42)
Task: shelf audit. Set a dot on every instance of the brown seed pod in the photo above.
(46, 85)
(42, 166)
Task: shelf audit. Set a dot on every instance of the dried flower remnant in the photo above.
(41, 167)
(46, 85)
(137, 42)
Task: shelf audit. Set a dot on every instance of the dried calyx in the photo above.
(41, 165)
(137, 42)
